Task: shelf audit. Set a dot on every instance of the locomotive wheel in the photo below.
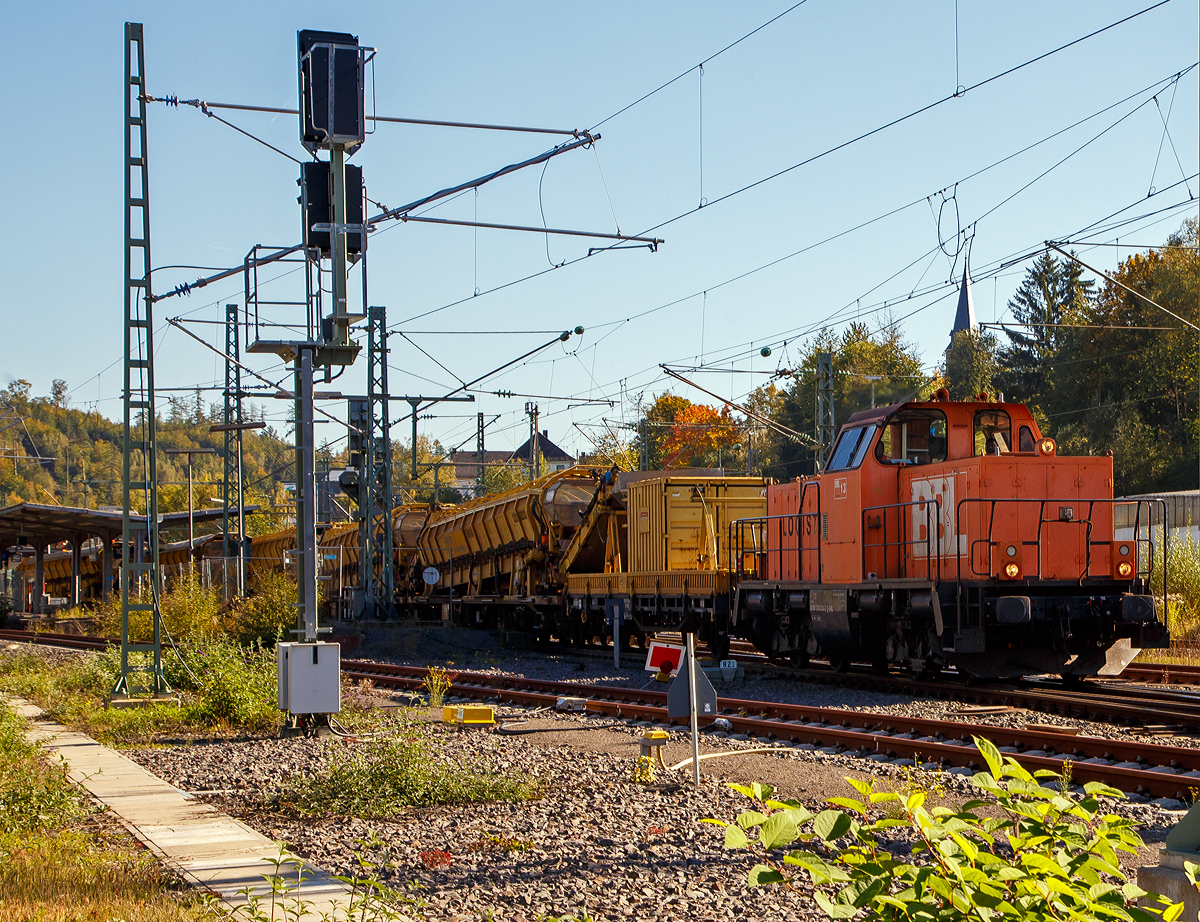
(1070, 680)
(839, 665)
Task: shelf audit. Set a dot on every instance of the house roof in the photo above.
(549, 451)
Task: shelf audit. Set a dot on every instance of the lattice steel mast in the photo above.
(377, 577)
(233, 489)
(138, 439)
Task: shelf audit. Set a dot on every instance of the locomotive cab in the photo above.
(950, 532)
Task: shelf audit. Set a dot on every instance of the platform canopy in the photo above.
(37, 523)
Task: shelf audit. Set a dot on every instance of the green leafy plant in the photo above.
(369, 900)
(1046, 855)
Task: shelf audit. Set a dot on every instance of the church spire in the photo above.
(964, 318)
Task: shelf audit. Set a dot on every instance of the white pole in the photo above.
(691, 655)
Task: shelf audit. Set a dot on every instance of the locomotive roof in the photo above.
(949, 407)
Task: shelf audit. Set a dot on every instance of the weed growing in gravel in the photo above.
(506, 844)
(370, 900)
(1048, 856)
(643, 771)
(435, 858)
(58, 862)
(906, 780)
(437, 683)
(381, 777)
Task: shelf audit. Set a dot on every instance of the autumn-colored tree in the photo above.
(1115, 386)
(698, 435)
(654, 426)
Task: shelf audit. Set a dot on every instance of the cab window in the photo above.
(993, 433)
(913, 437)
(1026, 440)
(851, 448)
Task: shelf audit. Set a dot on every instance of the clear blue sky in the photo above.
(821, 75)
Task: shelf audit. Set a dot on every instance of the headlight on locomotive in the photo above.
(1125, 569)
(1012, 570)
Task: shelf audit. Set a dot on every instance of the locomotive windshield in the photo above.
(851, 448)
(913, 436)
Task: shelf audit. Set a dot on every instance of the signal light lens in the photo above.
(1124, 549)
(1125, 569)
(1012, 571)
(1011, 550)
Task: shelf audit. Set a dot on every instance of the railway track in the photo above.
(1157, 770)
(1156, 710)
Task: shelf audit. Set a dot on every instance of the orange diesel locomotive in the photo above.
(947, 532)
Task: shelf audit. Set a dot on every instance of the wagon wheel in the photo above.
(799, 659)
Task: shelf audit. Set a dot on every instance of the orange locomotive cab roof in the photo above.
(961, 421)
(961, 412)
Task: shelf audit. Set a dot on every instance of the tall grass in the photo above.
(1181, 604)
(191, 611)
(59, 862)
(224, 687)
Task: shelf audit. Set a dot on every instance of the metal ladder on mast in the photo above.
(138, 430)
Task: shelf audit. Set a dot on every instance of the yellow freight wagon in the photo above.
(672, 572)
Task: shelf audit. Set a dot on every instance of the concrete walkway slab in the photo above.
(205, 846)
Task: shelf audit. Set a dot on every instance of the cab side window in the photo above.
(913, 437)
(1026, 440)
(993, 433)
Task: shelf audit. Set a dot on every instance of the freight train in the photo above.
(567, 554)
(939, 533)
(949, 533)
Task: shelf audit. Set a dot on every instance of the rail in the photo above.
(932, 509)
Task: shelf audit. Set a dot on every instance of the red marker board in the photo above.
(663, 657)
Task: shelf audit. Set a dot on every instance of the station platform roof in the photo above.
(37, 522)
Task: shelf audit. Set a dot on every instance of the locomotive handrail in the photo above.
(932, 505)
(737, 537)
(1147, 573)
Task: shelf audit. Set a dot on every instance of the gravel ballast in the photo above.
(595, 841)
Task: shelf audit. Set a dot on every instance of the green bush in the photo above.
(1182, 604)
(381, 778)
(1047, 855)
(232, 686)
(267, 612)
(187, 611)
(224, 687)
